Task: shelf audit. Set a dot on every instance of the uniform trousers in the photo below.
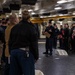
(55, 42)
(49, 44)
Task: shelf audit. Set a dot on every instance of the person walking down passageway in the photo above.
(23, 47)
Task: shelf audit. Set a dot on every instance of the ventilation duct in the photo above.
(46, 14)
(61, 19)
(29, 2)
(36, 15)
(6, 8)
(63, 11)
(15, 4)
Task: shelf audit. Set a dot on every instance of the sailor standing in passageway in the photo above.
(49, 40)
(66, 37)
(56, 33)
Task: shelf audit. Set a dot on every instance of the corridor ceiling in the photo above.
(42, 6)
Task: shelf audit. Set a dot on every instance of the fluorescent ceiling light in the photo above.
(50, 16)
(61, 15)
(30, 10)
(73, 13)
(54, 15)
(33, 13)
(70, 0)
(57, 8)
(62, 1)
(41, 16)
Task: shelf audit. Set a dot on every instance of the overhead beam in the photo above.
(40, 20)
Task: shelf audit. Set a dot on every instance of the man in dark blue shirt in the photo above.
(49, 40)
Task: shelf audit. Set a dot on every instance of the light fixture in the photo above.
(33, 13)
(61, 15)
(62, 1)
(73, 13)
(54, 15)
(30, 10)
(70, 0)
(57, 8)
(41, 16)
(50, 16)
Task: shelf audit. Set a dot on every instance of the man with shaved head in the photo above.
(23, 45)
